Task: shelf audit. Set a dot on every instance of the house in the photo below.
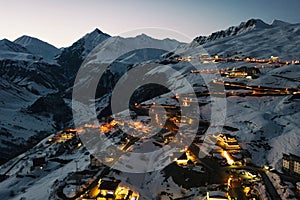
(66, 135)
(216, 195)
(125, 193)
(244, 72)
(180, 158)
(228, 142)
(94, 162)
(232, 145)
(39, 163)
(291, 164)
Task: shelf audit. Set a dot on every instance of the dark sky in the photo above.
(61, 22)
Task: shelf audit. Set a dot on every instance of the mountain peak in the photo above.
(257, 23)
(38, 47)
(5, 41)
(8, 45)
(277, 22)
(144, 36)
(97, 31)
(26, 41)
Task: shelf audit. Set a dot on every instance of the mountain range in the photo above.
(37, 82)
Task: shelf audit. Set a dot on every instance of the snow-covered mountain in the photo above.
(118, 55)
(46, 51)
(30, 85)
(71, 57)
(271, 118)
(277, 22)
(36, 96)
(10, 50)
(118, 46)
(261, 41)
(22, 83)
(93, 39)
(234, 30)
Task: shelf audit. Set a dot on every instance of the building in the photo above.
(216, 195)
(180, 158)
(39, 163)
(108, 189)
(298, 188)
(291, 164)
(64, 136)
(94, 162)
(125, 193)
(232, 145)
(244, 72)
(228, 142)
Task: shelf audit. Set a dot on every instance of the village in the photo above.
(228, 164)
(226, 171)
(238, 178)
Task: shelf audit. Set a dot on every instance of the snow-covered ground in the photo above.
(38, 184)
(283, 189)
(266, 126)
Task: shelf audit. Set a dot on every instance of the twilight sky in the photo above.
(62, 22)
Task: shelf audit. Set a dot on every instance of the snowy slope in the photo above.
(91, 40)
(119, 55)
(266, 126)
(17, 129)
(244, 27)
(22, 83)
(72, 57)
(282, 41)
(39, 184)
(39, 48)
(116, 47)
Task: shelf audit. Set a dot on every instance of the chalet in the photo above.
(291, 164)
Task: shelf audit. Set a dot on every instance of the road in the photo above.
(270, 187)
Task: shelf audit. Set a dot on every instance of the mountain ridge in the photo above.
(38, 47)
(243, 27)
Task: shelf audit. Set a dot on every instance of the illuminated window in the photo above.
(286, 164)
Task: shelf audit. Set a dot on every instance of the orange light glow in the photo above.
(226, 155)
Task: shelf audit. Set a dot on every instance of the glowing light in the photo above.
(90, 126)
(226, 155)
